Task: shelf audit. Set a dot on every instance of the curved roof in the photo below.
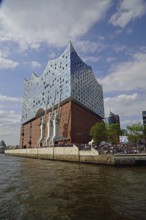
(64, 77)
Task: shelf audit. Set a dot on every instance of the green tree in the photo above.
(123, 132)
(135, 132)
(98, 132)
(144, 131)
(113, 132)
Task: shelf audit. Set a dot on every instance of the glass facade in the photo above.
(65, 77)
(113, 119)
(144, 117)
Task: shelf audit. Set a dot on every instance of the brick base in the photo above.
(75, 124)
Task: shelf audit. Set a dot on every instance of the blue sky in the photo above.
(108, 35)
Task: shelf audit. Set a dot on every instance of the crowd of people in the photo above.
(83, 146)
(106, 148)
(121, 148)
(64, 145)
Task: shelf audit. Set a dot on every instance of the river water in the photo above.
(34, 189)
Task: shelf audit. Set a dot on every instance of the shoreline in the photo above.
(73, 154)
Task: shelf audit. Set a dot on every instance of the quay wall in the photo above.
(132, 159)
(73, 154)
(62, 153)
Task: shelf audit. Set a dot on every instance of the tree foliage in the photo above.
(123, 132)
(113, 132)
(144, 132)
(98, 132)
(135, 132)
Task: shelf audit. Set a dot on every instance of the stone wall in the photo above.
(63, 154)
(73, 154)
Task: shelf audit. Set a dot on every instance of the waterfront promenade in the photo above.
(74, 154)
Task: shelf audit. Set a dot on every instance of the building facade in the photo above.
(113, 119)
(144, 117)
(62, 104)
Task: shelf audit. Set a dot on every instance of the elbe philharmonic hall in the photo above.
(62, 104)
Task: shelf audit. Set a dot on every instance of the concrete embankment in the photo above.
(73, 154)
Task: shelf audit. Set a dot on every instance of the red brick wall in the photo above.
(21, 136)
(75, 125)
(35, 133)
(81, 123)
(26, 134)
(65, 120)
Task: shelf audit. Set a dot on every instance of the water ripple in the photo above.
(39, 189)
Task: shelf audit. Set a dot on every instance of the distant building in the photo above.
(113, 119)
(62, 104)
(144, 117)
(2, 143)
(2, 146)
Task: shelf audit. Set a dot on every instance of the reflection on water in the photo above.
(41, 189)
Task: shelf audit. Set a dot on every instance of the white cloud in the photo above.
(11, 99)
(89, 46)
(10, 133)
(130, 122)
(31, 22)
(5, 62)
(128, 106)
(35, 64)
(119, 48)
(10, 118)
(110, 59)
(130, 75)
(129, 10)
(4, 53)
(91, 59)
(123, 97)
